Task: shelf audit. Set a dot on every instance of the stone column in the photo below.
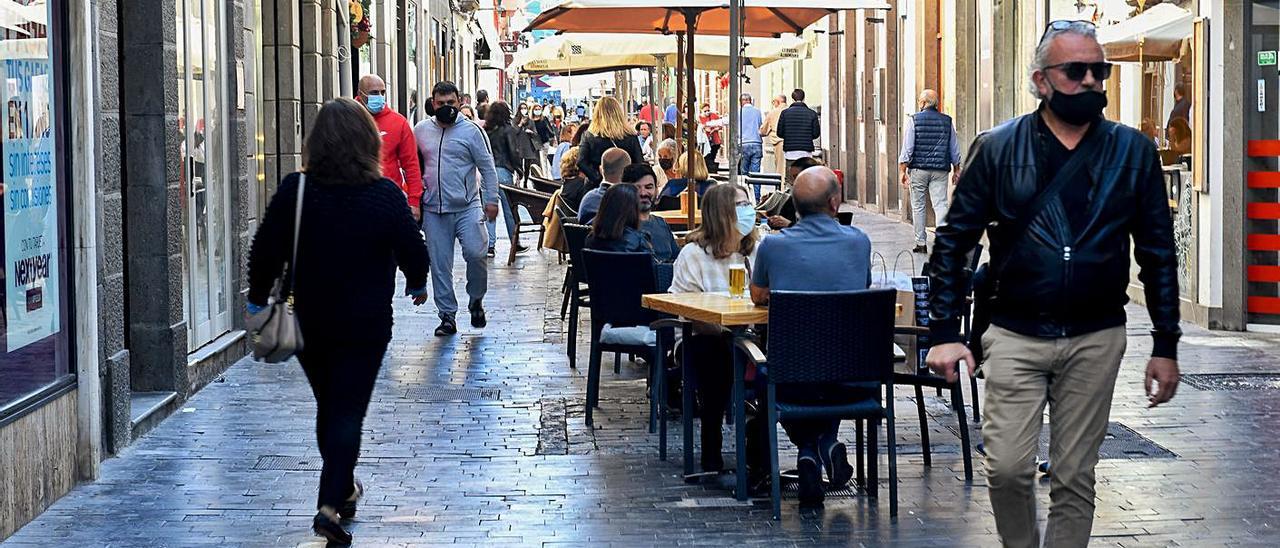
(152, 196)
(966, 77)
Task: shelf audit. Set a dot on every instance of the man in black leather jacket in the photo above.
(1058, 314)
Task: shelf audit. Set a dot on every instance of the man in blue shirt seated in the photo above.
(815, 254)
(645, 180)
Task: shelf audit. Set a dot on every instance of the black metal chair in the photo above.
(667, 203)
(615, 301)
(845, 218)
(575, 278)
(544, 185)
(831, 339)
(535, 202)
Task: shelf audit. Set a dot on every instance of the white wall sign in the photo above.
(1262, 95)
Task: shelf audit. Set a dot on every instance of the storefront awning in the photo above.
(489, 31)
(1153, 35)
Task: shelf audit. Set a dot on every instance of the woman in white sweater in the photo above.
(727, 237)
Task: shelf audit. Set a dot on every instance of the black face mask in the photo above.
(1078, 109)
(666, 163)
(447, 114)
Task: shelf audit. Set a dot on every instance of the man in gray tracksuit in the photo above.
(454, 149)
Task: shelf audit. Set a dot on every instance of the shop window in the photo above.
(34, 350)
(202, 116)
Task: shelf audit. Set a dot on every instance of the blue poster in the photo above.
(30, 204)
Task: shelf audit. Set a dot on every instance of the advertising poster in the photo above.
(30, 205)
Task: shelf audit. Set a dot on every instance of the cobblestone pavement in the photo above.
(479, 440)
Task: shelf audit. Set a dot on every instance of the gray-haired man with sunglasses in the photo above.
(1059, 192)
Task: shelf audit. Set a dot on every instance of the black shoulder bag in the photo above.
(986, 279)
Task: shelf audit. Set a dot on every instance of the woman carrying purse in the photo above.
(353, 228)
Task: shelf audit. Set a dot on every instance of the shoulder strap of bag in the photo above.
(1083, 154)
(297, 230)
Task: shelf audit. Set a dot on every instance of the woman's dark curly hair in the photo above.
(343, 146)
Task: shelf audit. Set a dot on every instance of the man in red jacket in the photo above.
(399, 148)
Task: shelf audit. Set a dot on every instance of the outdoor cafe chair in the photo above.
(575, 237)
(619, 323)
(830, 338)
(533, 201)
(541, 184)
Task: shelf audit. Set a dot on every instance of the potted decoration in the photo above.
(360, 25)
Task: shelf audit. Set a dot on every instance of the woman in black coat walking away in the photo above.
(609, 129)
(355, 228)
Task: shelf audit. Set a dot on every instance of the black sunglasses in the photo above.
(1075, 71)
(1064, 24)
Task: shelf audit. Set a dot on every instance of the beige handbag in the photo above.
(276, 335)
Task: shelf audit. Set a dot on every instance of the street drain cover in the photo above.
(452, 393)
(278, 462)
(1233, 381)
(1121, 442)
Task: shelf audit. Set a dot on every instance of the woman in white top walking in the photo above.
(726, 238)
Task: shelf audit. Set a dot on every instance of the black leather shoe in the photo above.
(920, 249)
(330, 530)
(492, 252)
(839, 471)
(348, 510)
(477, 315)
(447, 327)
(811, 493)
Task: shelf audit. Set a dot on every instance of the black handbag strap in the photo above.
(297, 232)
(1079, 159)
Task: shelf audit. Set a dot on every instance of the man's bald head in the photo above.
(613, 163)
(928, 98)
(816, 192)
(372, 82)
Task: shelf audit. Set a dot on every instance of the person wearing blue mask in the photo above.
(726, 238)
(399, 148)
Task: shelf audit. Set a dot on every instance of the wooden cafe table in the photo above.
(735, 314)
(679, 218)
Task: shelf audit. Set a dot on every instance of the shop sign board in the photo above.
(1267, 58)
(30, 204)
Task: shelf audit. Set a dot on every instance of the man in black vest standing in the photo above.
(930, 151)
(798, 128)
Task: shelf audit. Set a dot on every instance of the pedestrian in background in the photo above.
(564, 143)
(711, 126)
(455, 150)
(507, 161)
(399, 151)
(930, 153)
(770, 133)
(609, 129)
(1059, 193)
(354, 228)
(750, 120)
(798, 128)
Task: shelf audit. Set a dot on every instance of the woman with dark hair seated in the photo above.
(617, 225)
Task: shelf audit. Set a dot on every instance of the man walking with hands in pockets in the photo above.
(1063, 190)
(454, 149)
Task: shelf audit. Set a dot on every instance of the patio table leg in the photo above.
(686, 395)
(739, 419)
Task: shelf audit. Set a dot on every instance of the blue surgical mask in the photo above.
(376, 103)
(746, 219)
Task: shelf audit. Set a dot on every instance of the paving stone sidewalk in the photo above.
(479, 439)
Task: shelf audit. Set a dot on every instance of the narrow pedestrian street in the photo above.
(479, 439)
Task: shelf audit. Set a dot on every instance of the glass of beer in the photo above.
(737, 280)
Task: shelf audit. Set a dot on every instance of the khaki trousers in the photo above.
(1076, 376)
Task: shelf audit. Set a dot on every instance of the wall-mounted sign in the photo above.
(1267, 58)
(1262, 95)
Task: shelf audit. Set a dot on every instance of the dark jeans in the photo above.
(342, 377)
(712, 166)
(713, 373)
(814, 438)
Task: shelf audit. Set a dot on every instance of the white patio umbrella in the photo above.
(1153, 35)
(586, 53)
(736, 18)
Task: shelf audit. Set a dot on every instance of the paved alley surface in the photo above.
(479, 439)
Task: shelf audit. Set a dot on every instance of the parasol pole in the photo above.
(691, 186)
(731, 133)
(654, 135)
(680, 91)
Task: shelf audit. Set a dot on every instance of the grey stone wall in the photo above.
(111, 245)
